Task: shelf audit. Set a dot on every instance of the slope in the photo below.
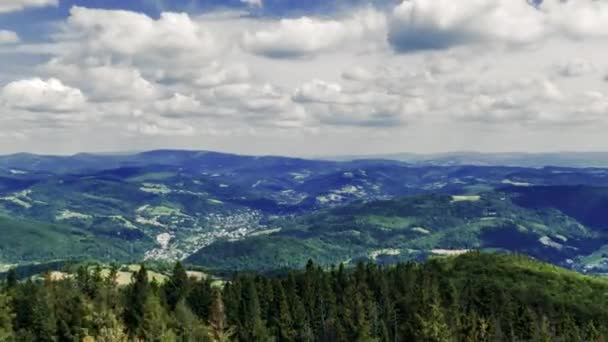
(405, 229)
(25, 240)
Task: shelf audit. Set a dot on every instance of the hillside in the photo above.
(33, 241)
(412, 228)
(471, 297)
(167, 205)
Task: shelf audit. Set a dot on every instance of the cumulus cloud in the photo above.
(159, 126)
(306, 36)
(215, 74)
(18, 5)
(8, 37)
(577, 18)
(186, 76)
(125, 35)
(105, 82)
(332, 104)
(260, 104)
(178, 105)
(358, 73)
(527, 101)
(575, 68)
(40, 95)
(439, 24)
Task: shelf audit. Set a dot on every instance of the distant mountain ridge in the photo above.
(99, 161)
(520, 159)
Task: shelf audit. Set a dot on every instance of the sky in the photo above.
(303, 77)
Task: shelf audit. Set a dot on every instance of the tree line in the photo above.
(475, 297)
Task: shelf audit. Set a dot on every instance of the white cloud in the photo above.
(130, 36)
(216, 74)
(257, 104)
(437, 24)
(42, 96)
(18, 5)
(332, 104)
(159, 126)
(358, 73)
(178, 105)
(577, 18)
(529, 101)
(575, 68)
(306, 36)
(8, 37)
(105, 82)
(500, 66)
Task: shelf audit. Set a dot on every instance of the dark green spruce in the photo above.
(471, 297)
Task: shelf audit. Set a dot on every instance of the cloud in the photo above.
(105, 82)
(440, 24)
(130, 36)
(259, 104)
(39, 95)
(528, 101)
(178, 105)
(305, 36)
(575, 68)
(358, 73)
(209, 75)
(8, 37)
(333, 104)
(500, 66)
(158, 126)
(19, 5)
(577, 18)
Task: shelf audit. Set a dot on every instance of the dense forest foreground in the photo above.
(472, 297)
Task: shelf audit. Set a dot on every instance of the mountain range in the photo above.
(231, 212)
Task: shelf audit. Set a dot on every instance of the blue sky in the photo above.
(33, 22)
(303, 77)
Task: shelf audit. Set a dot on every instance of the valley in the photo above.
(230, 212)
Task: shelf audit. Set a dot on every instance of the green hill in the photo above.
(410, 228)
(472, 297)
(25, 240)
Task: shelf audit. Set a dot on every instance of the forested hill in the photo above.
(472, 297)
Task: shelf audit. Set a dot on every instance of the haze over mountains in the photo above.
(563, 159)
(227, 212)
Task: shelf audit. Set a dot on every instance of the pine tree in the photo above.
(108, 328)
(327, 310)
(297, 308)
(219, 331)
(282, 316)
(543, 331)
(154, 322)
(43, 321)
(188, 327)
(72, 312)
(524, 323)
(176, 287)
(253, 328)
(591, 333)
(11, 279)
(6, 318)
(432, 325)
(430, 322)
(200, 297)
(136, 297)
